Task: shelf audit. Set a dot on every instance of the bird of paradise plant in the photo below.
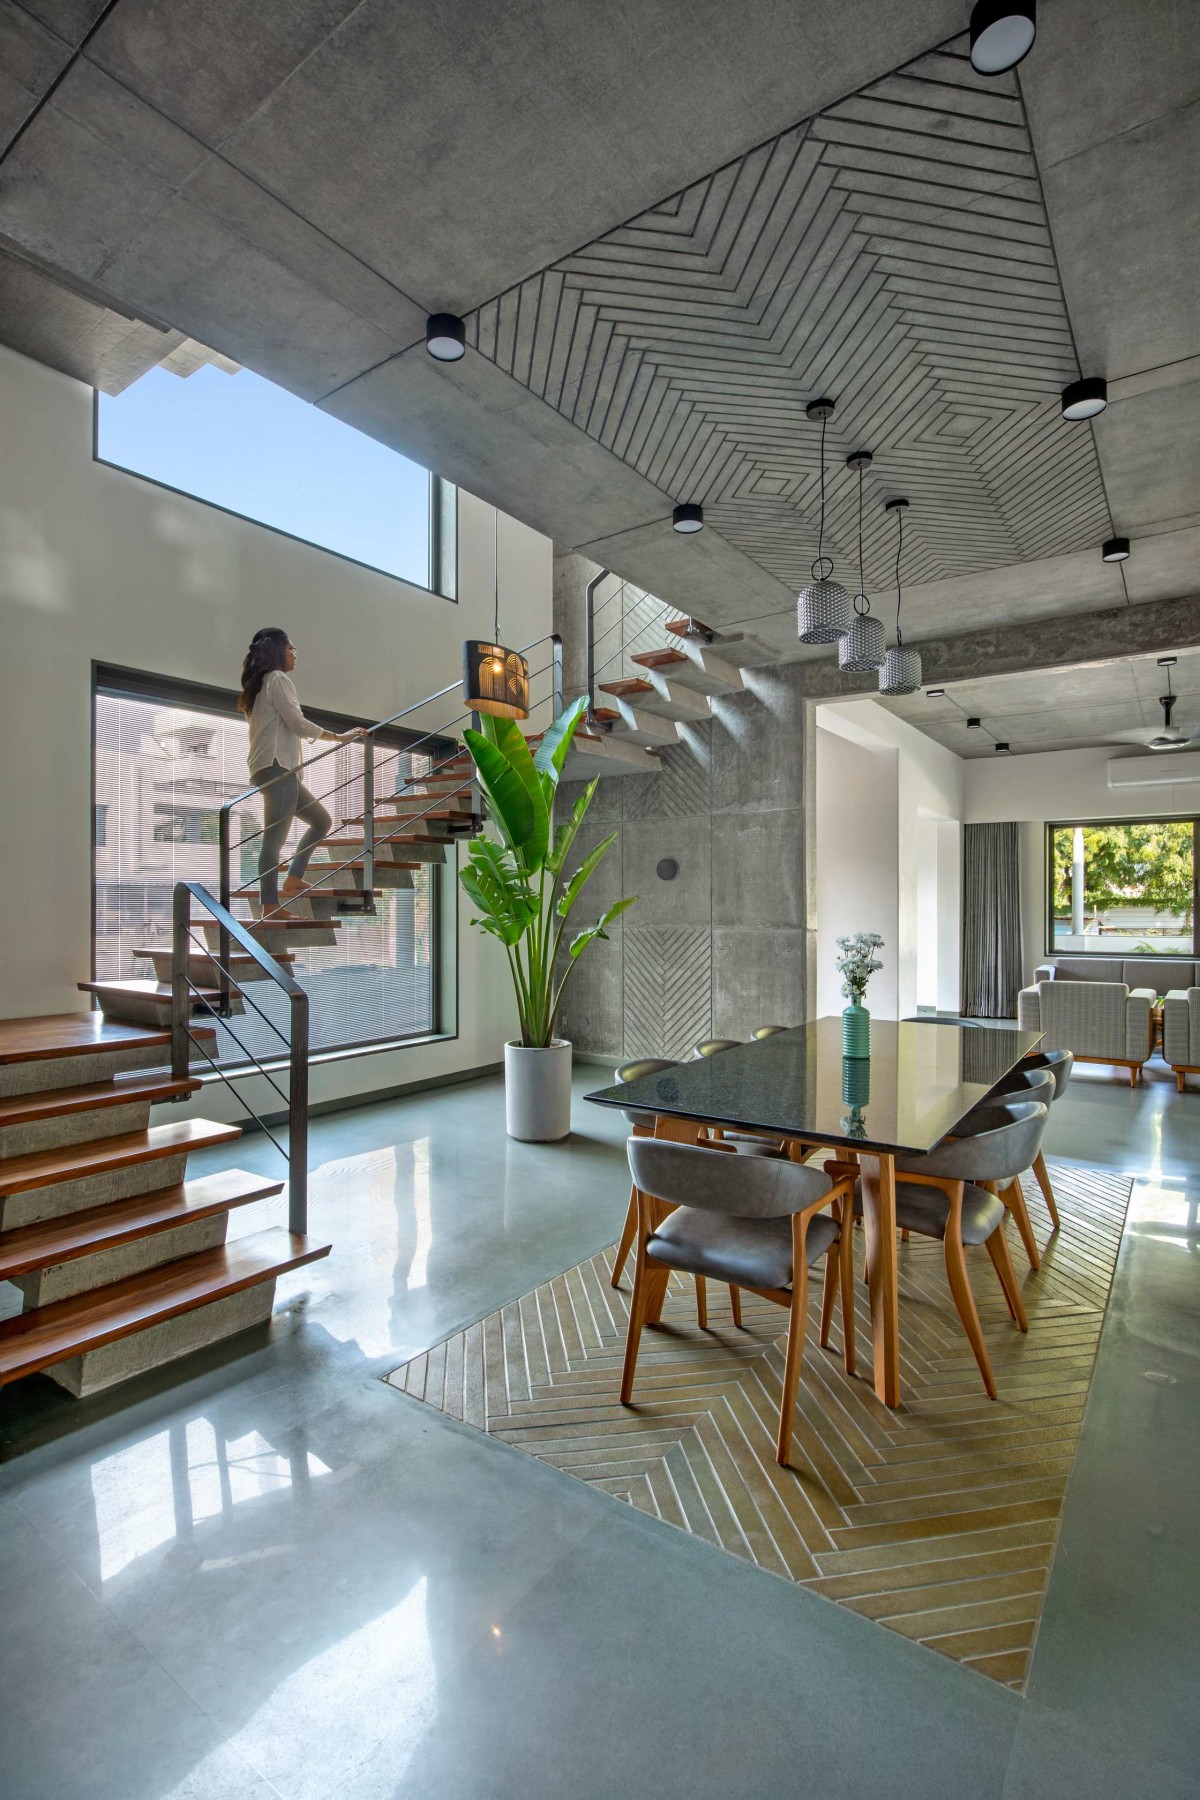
(517, 880)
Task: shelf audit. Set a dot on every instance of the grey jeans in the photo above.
(286, 798)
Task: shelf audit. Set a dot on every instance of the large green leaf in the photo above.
(591, 932)
(564, 837)
(507, 741)
(507, 794)
(499, 890)
(551, 753)
(583, 874)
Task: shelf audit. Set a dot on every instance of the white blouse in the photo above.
(277, 725)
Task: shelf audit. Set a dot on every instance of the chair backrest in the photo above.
(996, 1155)
(648, 1065)
(740, 1187)
(1059, 1062)
(766, 1031)
(711, 1046)
(1027, 1082)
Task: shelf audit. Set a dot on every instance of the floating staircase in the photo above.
(122, 1261)
(674, 685)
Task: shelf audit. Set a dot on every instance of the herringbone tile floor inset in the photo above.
(937, 1521)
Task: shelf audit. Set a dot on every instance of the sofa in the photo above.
(1100, 1008)
(1181, 1031)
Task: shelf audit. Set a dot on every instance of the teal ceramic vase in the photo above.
(856, 1031)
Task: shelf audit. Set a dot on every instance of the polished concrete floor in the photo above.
(271, 1574)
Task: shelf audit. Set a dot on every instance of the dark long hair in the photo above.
(265, 654)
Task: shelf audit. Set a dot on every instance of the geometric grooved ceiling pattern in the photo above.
(892, 252)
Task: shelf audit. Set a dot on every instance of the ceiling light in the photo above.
(974, 724)
(1167, 662)
(1003, 750)
(687, 519)
(823, 610)
(901, 671)
(1002, 33)
(935, 693)
(1085, 398)
(1115, 550)
(864, 646)
(445, 336)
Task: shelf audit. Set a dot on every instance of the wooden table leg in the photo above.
(879, 1219)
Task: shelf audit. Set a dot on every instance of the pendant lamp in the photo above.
(495, 679)
(823, 610)
(862, 648)
(901, 671)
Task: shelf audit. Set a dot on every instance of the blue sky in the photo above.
(244, 443)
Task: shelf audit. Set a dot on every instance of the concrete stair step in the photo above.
(70, 1328)
(100, 1156)
(690, 668)
(203, 969)
(406, 852)
(606, 755)
(149, 1002)
(99, 1228)
(56, 1103)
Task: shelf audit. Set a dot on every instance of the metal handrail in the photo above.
(232, 930)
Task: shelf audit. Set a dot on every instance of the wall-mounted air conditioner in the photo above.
(1155, 769)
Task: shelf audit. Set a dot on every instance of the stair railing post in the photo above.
(298, 1117)
(368, 820)
(226, 896)
(589, 608)
(181, 913)
(556, 672)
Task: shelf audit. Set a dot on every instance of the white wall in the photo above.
(889, 810)
(1069, 785)
(98, 565)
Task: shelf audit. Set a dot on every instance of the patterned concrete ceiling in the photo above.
(891, 252)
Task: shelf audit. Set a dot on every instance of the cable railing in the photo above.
(594, 641)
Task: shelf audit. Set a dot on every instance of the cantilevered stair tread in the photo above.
(659, 659)
(254, 926)
(97, 1228)
(74, 1162)
(238, 959)
(50, 1334)
(143, 988)
(54, 1103)
(628, 688)
(75, 1034)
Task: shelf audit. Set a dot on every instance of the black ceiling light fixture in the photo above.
(935, 693)
(864, 645)
(1116, 549)
(495, 679)
(687, 518)
(1002, 34)
(445, 337)
(823, 609)
(1085, 398)
(901, 671)
(974, 724)
(1003, 750)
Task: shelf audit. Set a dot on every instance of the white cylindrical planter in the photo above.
(537, 1092)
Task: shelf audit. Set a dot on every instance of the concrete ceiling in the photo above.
(1114, 703)
(668, 227)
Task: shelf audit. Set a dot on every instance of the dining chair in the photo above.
(756, 1225)
(1060, 1063)
(766, 1031)
(711, 1047)
(643, 1125)
(950, 1194)
(1019, 1084)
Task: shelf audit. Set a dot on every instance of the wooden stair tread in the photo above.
(51, 1334)
(75, 1034)
(659, 659)
(238, 959)
(53, 1103)
(359, 844)
(624, 688)
(145, 988)
(97, 1228)
(270, 924)
(72, 1162)
(319, 891)
(685, 627)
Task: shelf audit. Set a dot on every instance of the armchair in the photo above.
(1098, 1021)
(1181, 1032)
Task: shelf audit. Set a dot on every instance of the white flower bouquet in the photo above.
(857, 963)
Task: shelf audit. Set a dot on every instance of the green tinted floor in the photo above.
(269, 1574)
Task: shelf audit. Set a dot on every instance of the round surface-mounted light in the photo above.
(823, 612)
(1115, 549)
(445, 336)
(1002, 33)
(687, 519)
(1003, 750)
(1084, 399)
(901, 671)
(974, 724)
(864, 645)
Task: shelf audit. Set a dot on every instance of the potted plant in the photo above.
(856, 964)
(517, 882)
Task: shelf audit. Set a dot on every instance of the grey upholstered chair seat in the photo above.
(748, 1252)
(926, 1211)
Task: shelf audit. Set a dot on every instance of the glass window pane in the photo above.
(1122, 890)
(247, 445)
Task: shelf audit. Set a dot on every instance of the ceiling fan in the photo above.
(1171, 736)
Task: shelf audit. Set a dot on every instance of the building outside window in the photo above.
(1122, 888)
(164, 767)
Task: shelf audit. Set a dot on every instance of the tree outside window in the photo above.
(1130, 881)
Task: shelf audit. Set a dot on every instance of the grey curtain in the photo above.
(991, 912)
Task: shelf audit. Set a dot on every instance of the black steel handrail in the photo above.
(184, 992)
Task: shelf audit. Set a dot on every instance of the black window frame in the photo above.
(1162, 818)
(112, 682)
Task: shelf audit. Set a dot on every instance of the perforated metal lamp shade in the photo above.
(823, 613)
(901, 671)
(495, 680)
(864, 645)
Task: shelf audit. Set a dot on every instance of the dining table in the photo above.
(921, 1078)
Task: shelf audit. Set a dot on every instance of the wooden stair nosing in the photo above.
(268, 924)
(75, 1034)
(51, 1334)
(623, 689)
(53, 1103)
(659, 659)
(142, 988)
(74, 1162)
(96, 1228)
(238, 959)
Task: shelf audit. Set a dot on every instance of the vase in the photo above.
(537, 1092)
(856, 1031)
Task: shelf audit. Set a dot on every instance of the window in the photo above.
(163, 768)
(245, 444)
(1122, 888)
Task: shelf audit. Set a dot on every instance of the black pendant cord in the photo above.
(817, 566)
(862, 586)
(899, 553)
(496, 574)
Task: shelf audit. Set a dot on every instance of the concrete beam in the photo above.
(1080, 641)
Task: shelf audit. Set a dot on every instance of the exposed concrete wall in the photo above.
(96, 564)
